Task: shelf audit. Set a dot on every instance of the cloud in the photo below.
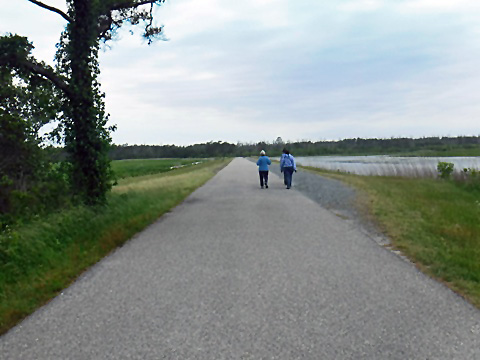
(309, 69)
(361, 5)
(360, 76)
(441, 5)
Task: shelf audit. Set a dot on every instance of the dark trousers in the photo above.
(263, 177)
(287, 176)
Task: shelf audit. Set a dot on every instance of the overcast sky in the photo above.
(254, 70)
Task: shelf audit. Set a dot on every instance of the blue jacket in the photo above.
(263, 162)
(287, 161)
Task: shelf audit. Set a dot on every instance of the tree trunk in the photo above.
(85, 145)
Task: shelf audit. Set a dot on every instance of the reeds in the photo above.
(412, 167)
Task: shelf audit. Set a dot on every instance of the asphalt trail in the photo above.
(237, 272)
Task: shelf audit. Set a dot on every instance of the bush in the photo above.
(471, 178)
(48, 190)
(445, 169)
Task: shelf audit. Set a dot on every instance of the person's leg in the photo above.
(288, 173)
(266, 179)
(285, 177)
(261, 178)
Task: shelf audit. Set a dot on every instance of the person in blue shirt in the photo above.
(262, 163)
(287, 167)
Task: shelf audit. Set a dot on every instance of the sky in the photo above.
(254, 70)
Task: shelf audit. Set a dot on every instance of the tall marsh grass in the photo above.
(414, 167)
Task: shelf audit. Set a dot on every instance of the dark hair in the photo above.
(285, 151)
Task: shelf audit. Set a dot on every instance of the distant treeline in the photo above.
(461, 145)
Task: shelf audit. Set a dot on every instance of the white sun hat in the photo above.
(262, 152)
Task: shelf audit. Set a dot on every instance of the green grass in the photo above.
(433, 222)
(128, 168)
(39, 259)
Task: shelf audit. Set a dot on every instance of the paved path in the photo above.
(242, 273)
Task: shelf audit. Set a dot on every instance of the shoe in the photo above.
(261, 187)
(288, 187)
(266, 186)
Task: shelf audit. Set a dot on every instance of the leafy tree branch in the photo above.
(133, 4)
(15, 53)
(51, 8)
(115, 14)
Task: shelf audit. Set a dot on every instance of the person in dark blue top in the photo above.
(262, 163)
(287, 167)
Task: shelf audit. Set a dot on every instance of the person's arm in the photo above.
(269, 162)
(258, 161)
(294, 164)
(281, 163)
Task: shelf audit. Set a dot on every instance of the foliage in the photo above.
(27, 102)
(206, 150)
(433, 146)
(86, 136)
(445, 169)
(471, 179)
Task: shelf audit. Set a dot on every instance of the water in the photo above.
(388, 165)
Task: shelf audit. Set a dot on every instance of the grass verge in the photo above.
(139, 167)
(39, 259)
(435, 223)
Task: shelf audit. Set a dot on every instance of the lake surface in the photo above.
(387, 165)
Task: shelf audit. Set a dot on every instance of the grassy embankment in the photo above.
(435, 223)
(40, 258)
(133, 168)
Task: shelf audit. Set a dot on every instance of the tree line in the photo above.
(356, 146)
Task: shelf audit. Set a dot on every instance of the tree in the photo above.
(27, 102)
(87, 138)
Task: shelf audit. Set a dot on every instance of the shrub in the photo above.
(445, 169)
(471, 178)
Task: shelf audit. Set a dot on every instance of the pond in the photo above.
(387, 165)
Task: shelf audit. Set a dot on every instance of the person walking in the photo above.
(287, 167)
(262, 163)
